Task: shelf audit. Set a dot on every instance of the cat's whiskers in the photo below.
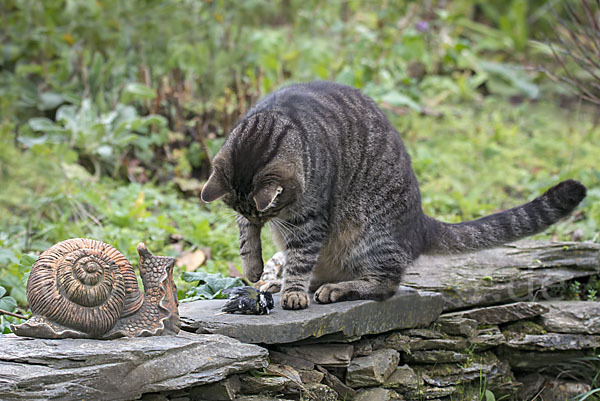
(284, 230)
(277, 226)
(225, 217)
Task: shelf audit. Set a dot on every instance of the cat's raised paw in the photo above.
(252, 269)
(329, 293)
(294, 300)
(271, 286)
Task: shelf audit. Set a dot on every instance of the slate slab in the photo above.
(404, 377)
(550, 361)
(457, 325)
(514, 272)
(407, 308)
(486, 338)
(502, 313)
(377, 394)
(436, 356)
(372, 370)
(554, 342)
(572, 317)
(442, 375)
(121, 369)
(329, 355)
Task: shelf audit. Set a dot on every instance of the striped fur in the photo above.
(348, 208)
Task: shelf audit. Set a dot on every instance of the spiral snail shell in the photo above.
(83, 288)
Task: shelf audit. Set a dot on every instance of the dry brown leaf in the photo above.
(192, 260)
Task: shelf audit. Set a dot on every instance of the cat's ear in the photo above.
(213, 189)
(265, 197)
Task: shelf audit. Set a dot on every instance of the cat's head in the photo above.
(256, 170)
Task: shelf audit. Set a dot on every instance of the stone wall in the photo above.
(469, 324)
(516, 351)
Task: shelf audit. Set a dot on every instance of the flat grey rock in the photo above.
(486, 338)
(572, 317)
(407, 308)
(436, 356)
(561, 389)
(318, 392)
(372, 370)
(442, 375)
(377, 394)
(329, 355)
(502, 313)
(263, 384)
(550, 361)
(404, 377)
(554, 342)
(515, 272)
(121, 369)
(449, 343)
(457, 325)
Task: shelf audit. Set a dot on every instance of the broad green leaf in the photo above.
(105, 151)
(8, 304)
(396, 98)
(2, 291)
(43, 124)
(210, 285)
(513, 75)
(68, 116)
(27, 260)
(30, 141)
(155, 119)
(137, 91)
(50, 100)
(6, 257)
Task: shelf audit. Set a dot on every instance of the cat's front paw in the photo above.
(294, 300)
(252, 269)
(329, 293)
(271, 286)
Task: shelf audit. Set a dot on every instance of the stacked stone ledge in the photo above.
(453, 358)
(513, 349)
(465, 325)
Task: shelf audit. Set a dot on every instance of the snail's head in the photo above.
(154, 269)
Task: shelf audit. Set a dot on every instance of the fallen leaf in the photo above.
(192, 260)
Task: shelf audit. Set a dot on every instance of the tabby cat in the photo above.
(323, 165)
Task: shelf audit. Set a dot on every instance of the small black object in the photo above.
(248, 300)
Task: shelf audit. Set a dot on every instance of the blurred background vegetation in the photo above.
(110, 112)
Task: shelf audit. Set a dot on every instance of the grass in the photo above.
(476, 160)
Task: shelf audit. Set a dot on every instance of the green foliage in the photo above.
(99, 139)
(7, 303)
(71, 69)
(489, 396)
(474, 161)
(210, 286)
(587, 291)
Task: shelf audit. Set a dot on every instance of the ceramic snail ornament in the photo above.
(83, 288)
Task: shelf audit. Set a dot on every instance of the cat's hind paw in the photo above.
(329, 293)
(294, 300)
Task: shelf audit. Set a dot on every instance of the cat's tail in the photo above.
(507, 226)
